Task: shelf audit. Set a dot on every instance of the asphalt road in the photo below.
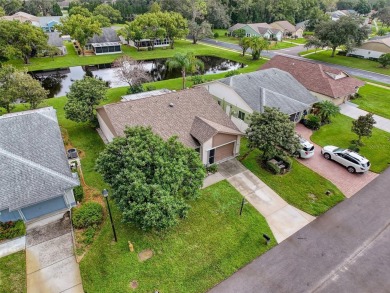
(294, 53)
(345, 250)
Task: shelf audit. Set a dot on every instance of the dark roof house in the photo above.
(106, 43)
(192, 115)
(35, 178)
(324, 81)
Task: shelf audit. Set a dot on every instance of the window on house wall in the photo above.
(241, 115)
(248, 35)
(211, 156)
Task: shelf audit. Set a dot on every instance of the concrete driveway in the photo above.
(344, 250)
(283, 219)
(348, 183)
(50, 261)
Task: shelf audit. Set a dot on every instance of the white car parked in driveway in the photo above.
(307, 150)
(349, 159)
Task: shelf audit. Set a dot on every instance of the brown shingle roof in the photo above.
(183, 113)
(284, 24)
(316, 77)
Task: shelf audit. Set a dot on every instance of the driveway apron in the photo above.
(283, 219)
(50, 261)
(352, 110)
(348, 183)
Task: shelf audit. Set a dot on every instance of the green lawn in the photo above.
(298, 40)
(181, 46)
(359, 63)
(301, 187)
(374, 99)
(273, 46)
(13, 273)
(204, 249)
(338, 133)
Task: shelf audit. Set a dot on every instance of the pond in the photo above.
(58, 81)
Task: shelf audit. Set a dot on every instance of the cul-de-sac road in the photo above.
(345, 250)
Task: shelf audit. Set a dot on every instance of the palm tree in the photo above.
(325, 110)
(186, 62)
(244, 43)
(258, 45)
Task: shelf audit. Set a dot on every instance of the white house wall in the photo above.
(69, 198)
(207, 145)
(106, 131)
(366, 53)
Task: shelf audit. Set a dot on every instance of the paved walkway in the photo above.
(283, 219)
(348, 183)
(344, 250)
(50, 262)
(354, 112)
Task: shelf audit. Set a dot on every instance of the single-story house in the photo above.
(55, 40)
(243, 94)
(22, 17)
(263, 30)
(301, 24)
(325, 82)
(107, 43)
(47, 23)
(372, 49)
(192, 115)
(336, 15)
(35, 178)
(288, 29)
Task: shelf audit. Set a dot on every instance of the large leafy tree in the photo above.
(272, 133)
(257, 45)
(80, 28)
(363, 7)
(2, 12)
(186, 63)
(108, 11)
(11, 6)
(83, 97)
(363, 126)
(80, 10)
(174, 24)
(347, 31)
(18, 85)
(151, 179)
(245, 44)
(384, 60)
(384, 16)
(21, 40)
(149, 24)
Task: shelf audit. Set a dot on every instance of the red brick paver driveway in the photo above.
(348, 183)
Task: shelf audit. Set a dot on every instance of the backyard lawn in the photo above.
(181, 46)
(13, 273)
(301, 187)
(204, 249)
(273, 46)
(374, 99)
(359, 63)
(338, 133)
(298, 40)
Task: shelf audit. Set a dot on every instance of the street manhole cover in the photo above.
(145, 254)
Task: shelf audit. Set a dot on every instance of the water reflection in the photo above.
(59, 81)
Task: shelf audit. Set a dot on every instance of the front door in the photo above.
(211, 159)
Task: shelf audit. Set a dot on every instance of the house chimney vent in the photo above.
(171, 105)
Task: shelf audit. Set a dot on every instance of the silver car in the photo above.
(349, 159)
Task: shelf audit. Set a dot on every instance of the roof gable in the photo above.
(316, 77)
(108, 35)
(170, 114)
(282, 91)
(32, 158)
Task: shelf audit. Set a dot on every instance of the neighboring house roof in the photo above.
(33, 163)
(282, 90)
(45, 20)
(261, 27)
(108, 36)
(181, 113)
(301, 24)
(318, 78)
(55, 39)
(285, 25)
(237, 26)
(145, 94)
(22, 17)
(384, 45)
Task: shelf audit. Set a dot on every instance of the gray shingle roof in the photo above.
(282, 90)
(170, 114)
(55, 39)
(33, 163)
(108, 35)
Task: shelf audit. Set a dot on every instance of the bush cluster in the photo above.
(12, 229)
(89, 214)
(78, 193)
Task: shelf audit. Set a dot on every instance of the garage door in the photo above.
(224, 152)
(44, 208)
